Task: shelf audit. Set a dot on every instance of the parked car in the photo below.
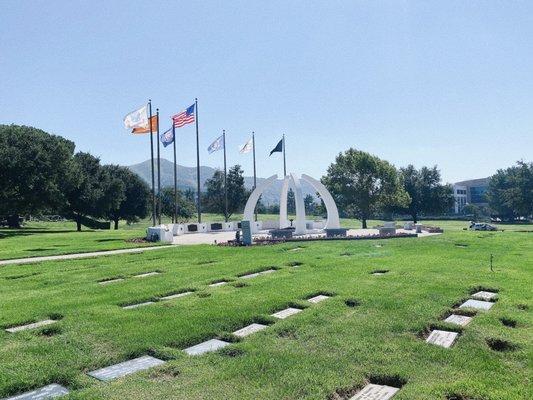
(481, 226)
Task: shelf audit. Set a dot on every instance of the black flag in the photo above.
(278, 148)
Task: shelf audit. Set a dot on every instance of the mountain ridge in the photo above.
(187, 179)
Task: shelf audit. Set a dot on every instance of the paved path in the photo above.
(29, 260)
(183, 240)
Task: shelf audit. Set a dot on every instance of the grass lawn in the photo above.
(53, 238)
(326, 351)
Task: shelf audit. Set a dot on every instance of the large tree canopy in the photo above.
(126, 195)
(91, 191)
(510, 191)
(363, 184)
(186, 207)
(237, 193)
(33, 168)
(427, 194)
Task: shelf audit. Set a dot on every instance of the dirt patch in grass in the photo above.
(509, 322)
(320, 293)
(288, 333)
(460, 245)
(523, 307)
(344, 393)
(165, 373)
(460, 396)
(346, 254)
(111, 279)
(294, 263)
(50, 331)
(389, 380)
(137, 240)
(379, 271)
(352, 302)
(231, 352)
(501, 345)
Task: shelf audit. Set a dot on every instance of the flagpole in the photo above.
(255, 177)
(284, 161)
(158, 172)
(152, 158)
(198, 163)
(175, 176)
(225, 177)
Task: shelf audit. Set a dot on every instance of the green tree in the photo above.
(186, 207)
(237, 194)
(310, 205)
(86, 190)
(363, 184)
(126, 195)
(427, 194)
(510, 191)
(34, 165)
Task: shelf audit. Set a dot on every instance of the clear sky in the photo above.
(422, 82)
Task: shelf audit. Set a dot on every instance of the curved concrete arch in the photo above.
(283, 218)
(331, 208)
(300, 228)
(254, 198)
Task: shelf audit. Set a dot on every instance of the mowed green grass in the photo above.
(55, 238)
(327, 347)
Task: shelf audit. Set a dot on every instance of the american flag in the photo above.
(184, 117)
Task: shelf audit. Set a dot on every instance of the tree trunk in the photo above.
(415, 217)
(116, 223)
(78, 222)
(13, 221)
(364, 222)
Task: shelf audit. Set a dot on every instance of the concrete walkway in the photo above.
(29, 260)
(183, 240)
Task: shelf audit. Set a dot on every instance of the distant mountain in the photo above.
(187, 179)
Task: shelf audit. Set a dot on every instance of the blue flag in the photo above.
(216, 145)
(278, 148)
(167, 137)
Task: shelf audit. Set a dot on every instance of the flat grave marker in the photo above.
(125, 368)
(461, 320)
(483, 295)
(248, 330)
(146, 274)
(376, 392)
(250, 275)
(268, 271)
(175, 296)
(216, 284)
(442, 338)
(286, 313)
(477, 304)
(30, 326)
(146, 303)
(109, 281)
(318, 298)
(46, 392)
(206, 347)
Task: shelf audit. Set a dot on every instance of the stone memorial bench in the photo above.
(337, 232)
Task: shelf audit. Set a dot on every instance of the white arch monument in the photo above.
(295, 183)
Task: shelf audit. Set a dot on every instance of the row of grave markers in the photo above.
(185, 293)
(115, 371)
(482, 300)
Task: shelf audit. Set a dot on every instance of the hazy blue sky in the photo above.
(422, 82)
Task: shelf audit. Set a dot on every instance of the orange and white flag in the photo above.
(146, 129)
